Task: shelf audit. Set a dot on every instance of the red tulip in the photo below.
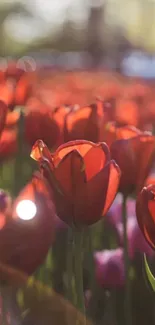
(134, 157)
(83, 123)
(83, 178)
(111, 132)
(39, 121)
(145, 210)
(127, 112)
(7, 92)
(8, 144)
(25, 243)
(3, 115)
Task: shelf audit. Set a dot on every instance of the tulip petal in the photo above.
(114, 179)
(91, 200)
(145, 214)
(70, 173)
(80, 114)
(83, 124)
(82, 146)
(41, 153)
(134, 154)
(95, 159)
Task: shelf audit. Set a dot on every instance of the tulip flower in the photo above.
(8, 144)
(136, 242)
(127, 112)
(83, 178)
(3, 115)
(110, 268)
(111, 132)
(39, 121)
(83, 123)
(26, 226)
(134, 157)
(145, 211)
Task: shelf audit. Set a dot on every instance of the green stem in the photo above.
(91, 260)
(127, 299)
(78, 240)
(69, 266)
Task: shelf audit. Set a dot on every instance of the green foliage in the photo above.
(149, 274)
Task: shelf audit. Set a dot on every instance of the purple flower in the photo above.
(110, 268)
(136, 241)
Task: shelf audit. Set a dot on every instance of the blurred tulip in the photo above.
(83, 123)
(136, 242)
(127, 112)
(110, 268)
(7, 92)
(8, 144)
(134, 157)
(145, 211)
(23, 89)
(112, 131)
(83, 178)
(40, 123)
(3, 115)
(25, 243)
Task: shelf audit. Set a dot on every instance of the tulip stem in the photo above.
(91, 260)
(127, 302)
(70, 266)
(78, 241)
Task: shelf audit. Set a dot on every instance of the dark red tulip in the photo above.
(25, 243)
(145, 211)
(134, 157)
(83, 178)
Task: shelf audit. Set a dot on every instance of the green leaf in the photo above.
(149, 274)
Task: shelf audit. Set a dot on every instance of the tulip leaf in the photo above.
(149, 274)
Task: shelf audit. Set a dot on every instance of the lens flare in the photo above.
(26, 210)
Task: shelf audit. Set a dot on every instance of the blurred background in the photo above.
(113, 34)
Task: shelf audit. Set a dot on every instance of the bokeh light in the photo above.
(26, 209)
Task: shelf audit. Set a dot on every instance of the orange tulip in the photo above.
(145, 210)
(134, 157)
(83, 178)
(25, 243)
